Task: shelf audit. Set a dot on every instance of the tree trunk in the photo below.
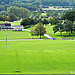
(61, 33)
(40, 36)
(69, 33)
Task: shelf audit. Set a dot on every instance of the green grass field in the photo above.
(43, 14)
(17, 35)
(13, 23)
(37, 57)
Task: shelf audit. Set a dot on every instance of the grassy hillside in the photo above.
(37, 57)
(58, 35)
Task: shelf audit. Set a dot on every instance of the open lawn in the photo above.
(16, 35)
(3, 22)
(37, 57)
(43, 14)
(13, 23)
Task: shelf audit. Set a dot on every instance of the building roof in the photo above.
(6, 24)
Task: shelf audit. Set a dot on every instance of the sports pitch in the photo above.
(37, 57)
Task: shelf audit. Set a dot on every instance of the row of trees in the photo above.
(14, 13)
(12, 17)
(43, 2)
(19, 12)
(67, 26)
(31, 21)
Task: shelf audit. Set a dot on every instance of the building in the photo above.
(5, 26)
(17, 28)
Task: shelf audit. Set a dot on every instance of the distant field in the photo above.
(13, 23)
(55, 8)
(43, 14)
(37, 57)
(17, 35)
(3, 22)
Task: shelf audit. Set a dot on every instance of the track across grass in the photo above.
(37, 57)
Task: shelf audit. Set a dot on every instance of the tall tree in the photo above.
(68, 25)
(59, 27)
(39, 30)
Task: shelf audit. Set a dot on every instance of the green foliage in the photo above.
(13, 17)
(50, 32)
(52, 13)
(36, 14)
(3, 13)
(19, 12)
(3, 18)
(53, 21)
(45, 21)
(28, 21)
(70, 15)
(33, 5)
(55, 29)
(59, 27)
(68, 25)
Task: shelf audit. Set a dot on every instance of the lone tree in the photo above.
(39, 30)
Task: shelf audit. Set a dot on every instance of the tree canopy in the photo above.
(39, 30)
(19, 12)
(70, 15)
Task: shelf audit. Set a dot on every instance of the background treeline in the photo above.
(34, 4)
